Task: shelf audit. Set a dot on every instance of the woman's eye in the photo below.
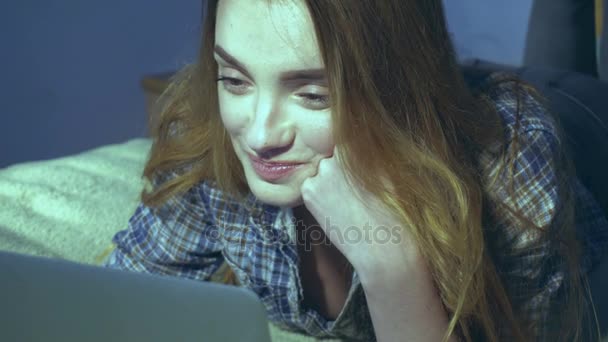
(314, 100)
(232, 84)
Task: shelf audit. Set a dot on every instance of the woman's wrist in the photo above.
(392, 263)
(403, 300)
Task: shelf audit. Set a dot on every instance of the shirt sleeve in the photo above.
(527, 258)
(534, 183)
(528, 188)
(178, 239)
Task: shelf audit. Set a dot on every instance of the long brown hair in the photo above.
(401, 109)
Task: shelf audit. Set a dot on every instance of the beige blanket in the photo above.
(71, 207)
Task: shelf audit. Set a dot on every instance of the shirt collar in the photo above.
(262, 213)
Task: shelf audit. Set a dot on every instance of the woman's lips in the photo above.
(273, 171)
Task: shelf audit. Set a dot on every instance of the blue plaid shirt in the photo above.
(202, 231)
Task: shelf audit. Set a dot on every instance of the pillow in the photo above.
(71, 207)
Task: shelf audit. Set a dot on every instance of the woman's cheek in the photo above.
(232, 117)
(318, 136)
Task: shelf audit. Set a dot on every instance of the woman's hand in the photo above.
(365, 231)
(403, 302)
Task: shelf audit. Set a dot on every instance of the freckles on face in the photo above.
(311, 131)
(268, 100)
(233, 114)
(318, 136)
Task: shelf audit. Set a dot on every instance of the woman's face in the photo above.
(274, 99)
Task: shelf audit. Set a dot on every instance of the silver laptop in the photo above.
(49, 300)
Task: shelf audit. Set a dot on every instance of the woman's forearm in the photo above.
(404, 304)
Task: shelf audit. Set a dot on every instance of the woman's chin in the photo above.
(280, 195)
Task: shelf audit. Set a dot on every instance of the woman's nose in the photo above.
(271, 131)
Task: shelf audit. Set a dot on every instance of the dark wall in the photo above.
(71, 70)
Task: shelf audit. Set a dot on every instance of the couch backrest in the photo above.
(580, 104)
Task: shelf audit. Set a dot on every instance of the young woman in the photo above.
(331, 156)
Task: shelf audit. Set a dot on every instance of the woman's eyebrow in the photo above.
(228, 58)
(312, 75)
(286, 76)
